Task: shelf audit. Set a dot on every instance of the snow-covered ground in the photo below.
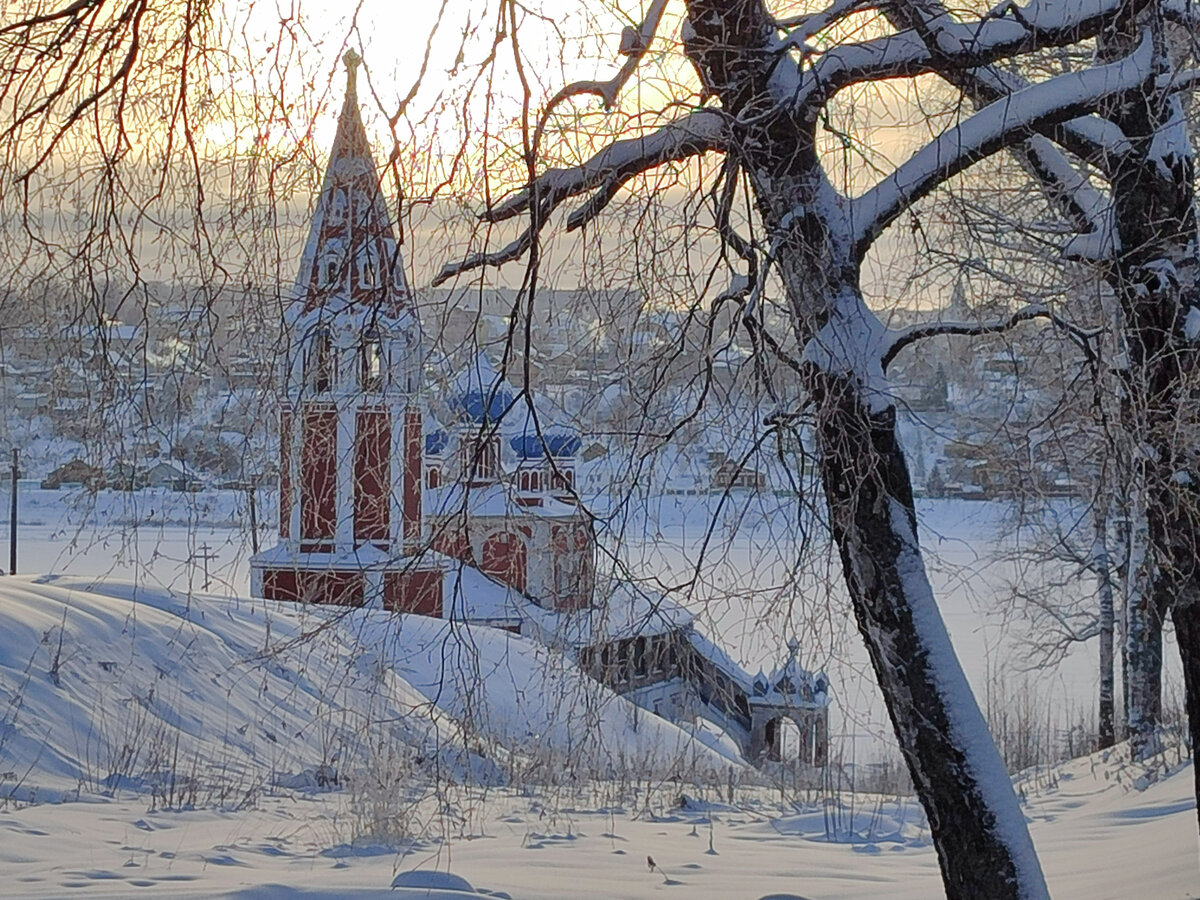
(194, 736)
(1098, 838)
(111, 686)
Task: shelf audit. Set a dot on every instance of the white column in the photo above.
(373, 588)
(344, 537)
(396, 406)
(296, 488)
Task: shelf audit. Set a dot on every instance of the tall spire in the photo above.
(351, 256)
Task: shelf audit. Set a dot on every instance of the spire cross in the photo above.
(352, 60)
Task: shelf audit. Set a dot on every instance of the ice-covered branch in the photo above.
(799, 29)
(994, 127)
(1182, 12)
(694, 134)
(1037, 25)
(1098, 141)
(913, 333)
(1088, 209)
(1180, 82)
(935, 41)
(634, 44)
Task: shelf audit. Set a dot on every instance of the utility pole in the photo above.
(253, 483)
(12, 518)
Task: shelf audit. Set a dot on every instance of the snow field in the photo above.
(1099, 838)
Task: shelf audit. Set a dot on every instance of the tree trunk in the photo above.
(977, 825)
(1143, 674)
(1155, 280)
(1103, 568)
(980, 834)
(1187, 632)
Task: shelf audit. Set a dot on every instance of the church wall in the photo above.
(318, 494)
(372, 458)
(414, 448)
(303, 586)
(418, 591)
(285, 473)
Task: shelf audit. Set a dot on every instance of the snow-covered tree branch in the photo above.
(1001, 124)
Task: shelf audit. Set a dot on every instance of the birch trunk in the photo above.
(1186, 617)
(1102, 565)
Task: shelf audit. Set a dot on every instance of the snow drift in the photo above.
(106, 686)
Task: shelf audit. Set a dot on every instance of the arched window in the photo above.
(337, 212)
(368, 275)
(320, 362)
(370, 363)
(329, 271)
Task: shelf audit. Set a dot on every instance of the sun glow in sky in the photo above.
(447, 95)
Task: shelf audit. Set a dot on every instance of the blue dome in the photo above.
(481, 394)
(435, 443)
(527, 446)
(562, 444)
(558, 442)
(485, 406)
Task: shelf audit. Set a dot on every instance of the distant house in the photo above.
(74, 472)
(125, 476)
(165, 474)
(728, 474)
(32, 402)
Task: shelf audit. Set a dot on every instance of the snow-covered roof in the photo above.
(468, 595)
(480, 393)
(284, 554)
(791, 685)
(722, 660)
(491, 501)
(625, 612)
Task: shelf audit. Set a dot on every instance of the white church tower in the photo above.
(350, 431)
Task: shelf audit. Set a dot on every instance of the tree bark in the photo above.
(1155, 280)
(1102, 564)
(1186, 617)
(1143, 674)
(980, 834)
(978, 829)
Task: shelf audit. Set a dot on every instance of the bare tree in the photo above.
(762, 83)
(767, 87)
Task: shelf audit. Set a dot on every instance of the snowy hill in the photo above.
(108, 686)
(198, 735)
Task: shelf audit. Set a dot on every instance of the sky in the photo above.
(455, 95)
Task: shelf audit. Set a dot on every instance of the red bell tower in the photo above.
(350, 432)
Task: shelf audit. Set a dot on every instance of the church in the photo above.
(474, 519)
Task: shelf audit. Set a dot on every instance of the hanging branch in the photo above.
(1081, 337)
(693, 135)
